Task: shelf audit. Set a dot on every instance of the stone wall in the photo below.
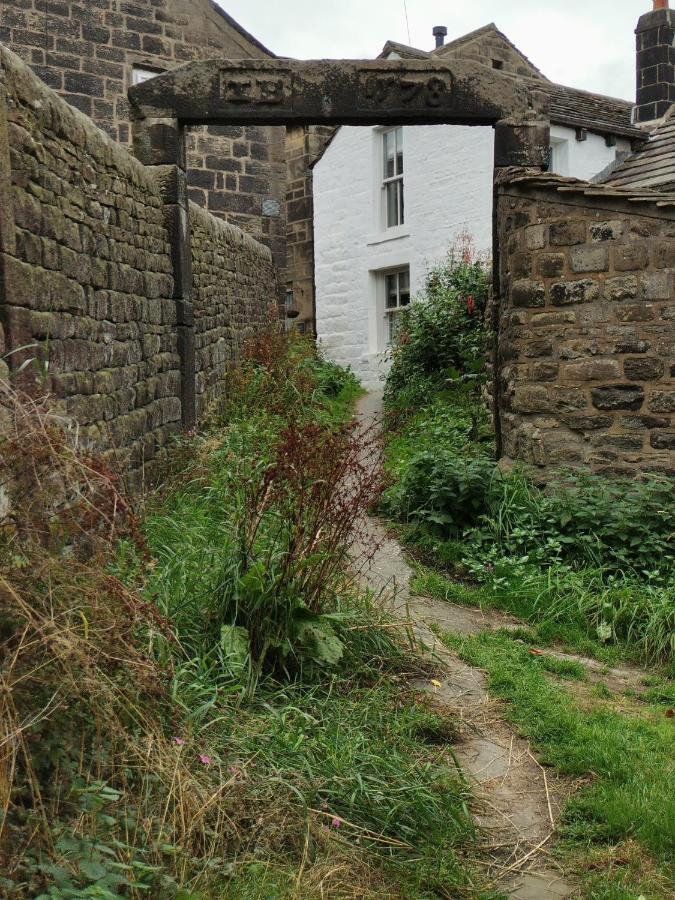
(86, 277)
(586, 355)
(87, 51)
(234, 286)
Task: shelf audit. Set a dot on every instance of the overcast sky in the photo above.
(588, 44)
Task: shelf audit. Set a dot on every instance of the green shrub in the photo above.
(441, 338)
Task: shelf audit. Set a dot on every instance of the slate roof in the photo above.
(596, 112)
(569, 106)
(403, 50)
(653, 166)
(565, 185)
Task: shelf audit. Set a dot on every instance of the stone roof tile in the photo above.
(653, 166)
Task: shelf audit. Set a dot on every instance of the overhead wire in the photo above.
(407, 20)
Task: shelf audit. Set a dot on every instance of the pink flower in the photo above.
(177, 741)
(205, 760)
(336, 823)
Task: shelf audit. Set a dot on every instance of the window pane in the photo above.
(401, 215)
(391, 293)
(399, 151)
(404, 288)
(392, 204)
(389, 154)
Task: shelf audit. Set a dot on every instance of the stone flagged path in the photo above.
(516, 802)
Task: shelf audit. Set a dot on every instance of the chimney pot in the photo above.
(440, 32)
(661, 4)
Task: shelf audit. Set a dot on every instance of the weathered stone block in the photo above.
(589, 259)
(644, 313)
(566, 317)
(624, 288)
(629, 443)
(664, 254)
(568, 399)
(644, 422)
(551, 265)
(566, 293)
(566, 234)
(530, 399)
(545, 372)
(632, 346)
(643, 368)
(656, 286)
(535, 237)
(662, 440)
(592, 370)
(522, 265)
(662, 402)
(618, 396)
(528, 293)
(607, 231)
(535, 349)
(587, 422)
(630, 257)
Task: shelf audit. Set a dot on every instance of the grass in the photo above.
(569, 627)
(627, 805)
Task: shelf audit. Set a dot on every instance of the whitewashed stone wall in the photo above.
(448, 189)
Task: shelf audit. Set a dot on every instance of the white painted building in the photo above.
(388, 203)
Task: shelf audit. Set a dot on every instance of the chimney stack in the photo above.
(440, 32)
(655, 63)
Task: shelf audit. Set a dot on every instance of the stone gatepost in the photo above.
(160, 144)
(522, 143)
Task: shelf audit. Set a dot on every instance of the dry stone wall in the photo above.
(234, 285)
(586, 351)
(86, 277)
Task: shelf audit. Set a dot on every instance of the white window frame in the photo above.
(560, 156)
(395, 179)
(401, 293)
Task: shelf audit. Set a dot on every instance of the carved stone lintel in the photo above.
(339, 92)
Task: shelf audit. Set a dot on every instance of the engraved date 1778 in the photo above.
(414, 88)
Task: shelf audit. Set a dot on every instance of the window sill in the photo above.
(391, 234)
